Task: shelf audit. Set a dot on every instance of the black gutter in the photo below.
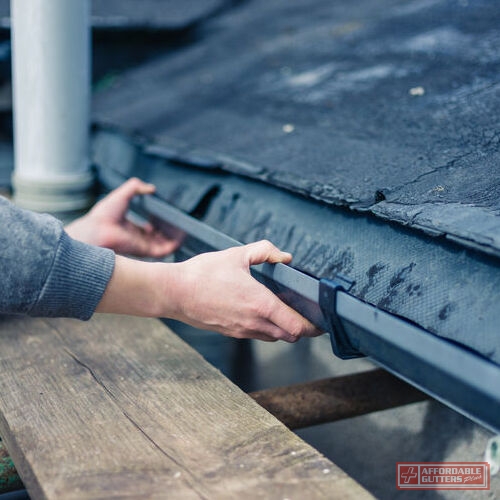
(457, 377)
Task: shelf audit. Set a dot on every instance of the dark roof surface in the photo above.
(382, 106)
(141, 14)
(386, 108)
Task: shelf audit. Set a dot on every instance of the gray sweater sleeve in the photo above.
(43, 271)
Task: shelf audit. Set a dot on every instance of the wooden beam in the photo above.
(332, 399)
(121, 407)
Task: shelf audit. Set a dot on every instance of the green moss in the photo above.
(9, 478)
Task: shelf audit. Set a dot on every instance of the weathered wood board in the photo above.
(120, 407)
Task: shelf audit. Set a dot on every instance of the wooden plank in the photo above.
(120, 407)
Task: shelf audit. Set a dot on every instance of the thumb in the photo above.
(265, 251)
(116, 203)
(131, 188)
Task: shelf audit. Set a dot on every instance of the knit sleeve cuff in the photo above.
(76, 282)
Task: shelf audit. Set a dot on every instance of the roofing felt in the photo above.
(446, 289)
(376, 105)
(140, 14)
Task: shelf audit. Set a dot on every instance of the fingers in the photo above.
(269, 332)
(265, 251)
(231, 301)
(289, 320)
(124, 236)
(282, 322)
(292, 322)
(153, 243)
(258, 335)
(116, 203)
(127, 238)
(149, 242)
(284, 317)
(154, 249)
(131, 188)
(160, 246)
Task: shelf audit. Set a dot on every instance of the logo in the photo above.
(443, 475)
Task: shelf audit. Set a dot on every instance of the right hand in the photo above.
(215, 291)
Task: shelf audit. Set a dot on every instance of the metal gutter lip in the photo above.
(458, 377)
(461, 379)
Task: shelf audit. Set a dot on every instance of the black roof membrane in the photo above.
(389, 109)
(379, 105)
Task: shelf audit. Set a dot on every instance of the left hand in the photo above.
(106, 225)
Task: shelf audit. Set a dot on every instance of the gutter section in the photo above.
(432, 282)
(458, 377)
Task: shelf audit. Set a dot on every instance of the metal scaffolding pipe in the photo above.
(332, 399)
(51, 87)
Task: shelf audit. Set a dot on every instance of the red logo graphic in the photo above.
(443, 475)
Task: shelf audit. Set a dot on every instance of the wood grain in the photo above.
(120, 407)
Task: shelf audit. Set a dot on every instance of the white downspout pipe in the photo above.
(51, 87)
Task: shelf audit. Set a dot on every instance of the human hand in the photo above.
(106, 225)
(215, 291)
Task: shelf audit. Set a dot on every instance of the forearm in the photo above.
(139, 288)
